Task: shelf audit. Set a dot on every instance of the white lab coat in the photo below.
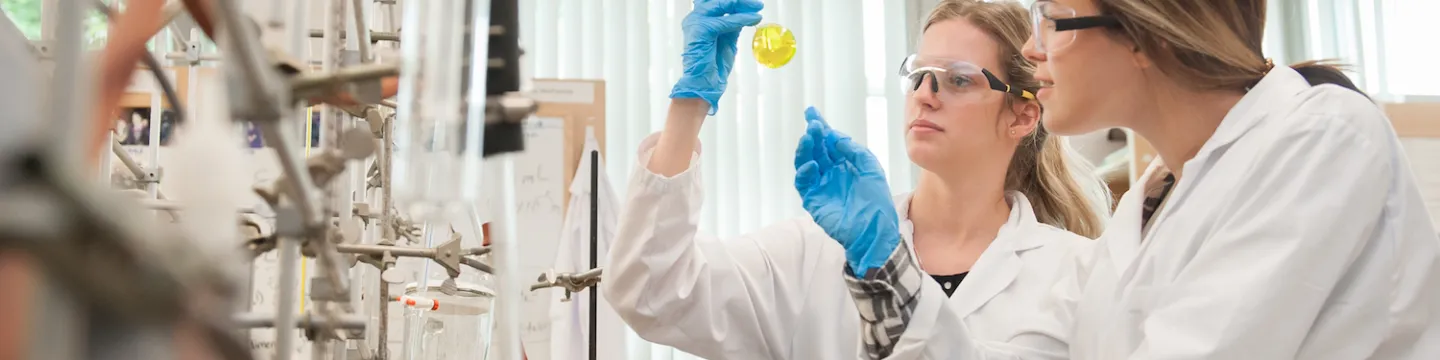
(570, 321)
(1296, 232)
(779, 292)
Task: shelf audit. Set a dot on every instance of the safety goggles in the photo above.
(1055, 24)
(953, 78)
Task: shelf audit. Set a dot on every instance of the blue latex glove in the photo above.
(711, 32)
(844, 189)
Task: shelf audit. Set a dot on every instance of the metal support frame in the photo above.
(306, 321)
(263, 95)
(375, 36)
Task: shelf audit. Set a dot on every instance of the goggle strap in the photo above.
(1085, 22)
(996, 84)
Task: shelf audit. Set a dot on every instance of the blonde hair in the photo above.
(1042, 168)
(1208, 44)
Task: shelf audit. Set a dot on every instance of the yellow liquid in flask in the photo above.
(774, 45)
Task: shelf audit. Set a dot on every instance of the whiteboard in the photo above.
(539, 195)
(539, 208)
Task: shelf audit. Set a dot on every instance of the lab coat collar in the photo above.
(1022, 216)
(1122, 236)
(1279, 84)
(999, 265)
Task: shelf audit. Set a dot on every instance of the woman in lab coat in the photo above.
(994, 194)
(1281, 221)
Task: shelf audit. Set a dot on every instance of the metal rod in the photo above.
(368, 72)
(248, 291)
(138, 171)
(594, 241)
(167, 87)
(477, 265)
(378, 36)
(382, 249)
(319, 349)
(107, 162)
(297, 176)
(288, 292)
(182, 56)
(382, 335)
(337, 192)
(193, 71)
(362, 44)
(157, 118)
(277, 133)
(507, 300)
(171, 206)
(125, 158)
(387, 231)
(387, 223)
(375, 36)
(241, 41)
(319, 340)
(69, 95)
(308, 320)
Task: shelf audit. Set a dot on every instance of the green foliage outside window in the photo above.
(26, 16)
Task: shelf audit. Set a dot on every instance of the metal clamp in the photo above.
(192, 49)
(150, 176)
(571, 282)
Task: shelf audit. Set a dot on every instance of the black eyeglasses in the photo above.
(1055, 24)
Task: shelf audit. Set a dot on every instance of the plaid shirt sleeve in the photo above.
(886, 298)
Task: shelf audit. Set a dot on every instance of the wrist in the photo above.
(680, 138)
(689, 109)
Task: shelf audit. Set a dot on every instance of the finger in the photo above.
(806, 177)
(725, 50)
(812, 114)
(819, 151)
(861, 156)
(736, 21)
(804, 150)
(823, 134)
(741, 6)
(722, 7)
(838, 144)
(708, 7)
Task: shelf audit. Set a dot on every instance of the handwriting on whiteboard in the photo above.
(540, 186)
(545, 202)
(538, 174)
(537, 327)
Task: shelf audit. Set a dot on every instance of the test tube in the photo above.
(436, 168)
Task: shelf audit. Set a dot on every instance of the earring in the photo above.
(1012, 131)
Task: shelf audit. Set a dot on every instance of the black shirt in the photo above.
(950, 282)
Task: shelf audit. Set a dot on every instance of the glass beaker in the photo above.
(437, 147)
(440, 326)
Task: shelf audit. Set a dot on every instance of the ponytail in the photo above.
(1040, 168)
(1062, 190)
(1319, 72)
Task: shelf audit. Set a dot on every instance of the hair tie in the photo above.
(1269, 64)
